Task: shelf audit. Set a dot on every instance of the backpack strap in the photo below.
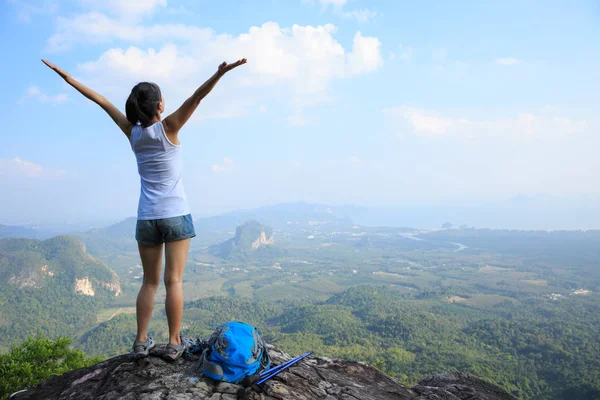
(265, 359)
(203, 363)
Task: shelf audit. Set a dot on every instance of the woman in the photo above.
(164, 218)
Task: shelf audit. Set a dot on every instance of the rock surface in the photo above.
(152, 378)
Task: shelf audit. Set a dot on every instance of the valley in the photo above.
(519, 308)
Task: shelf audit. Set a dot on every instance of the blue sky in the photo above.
(386, 103)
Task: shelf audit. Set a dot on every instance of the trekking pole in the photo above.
(276, 371)
(270, 371)
(264, 376)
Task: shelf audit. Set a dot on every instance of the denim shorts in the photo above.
(157, 231)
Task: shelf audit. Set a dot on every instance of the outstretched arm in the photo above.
(174, 122)
(102, 101)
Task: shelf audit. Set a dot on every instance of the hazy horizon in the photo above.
(519, 213)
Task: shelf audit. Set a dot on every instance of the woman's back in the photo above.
(160, 167)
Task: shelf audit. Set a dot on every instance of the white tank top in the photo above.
(159, 165)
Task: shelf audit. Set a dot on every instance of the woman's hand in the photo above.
(228, 67)
(56, 69)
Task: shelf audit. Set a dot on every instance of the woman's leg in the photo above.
(176, 257)
(152, 263)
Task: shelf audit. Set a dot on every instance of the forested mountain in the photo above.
(52, 287)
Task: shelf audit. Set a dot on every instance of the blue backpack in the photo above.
(235, 350)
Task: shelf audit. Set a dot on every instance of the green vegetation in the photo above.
(538, 349)
(519, 309)
(37, 360)
(38, 288)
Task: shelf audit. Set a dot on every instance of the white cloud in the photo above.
(366, 54)
(133, 63)
(522, 126)
(96, 27)
(35, 93)
(17, 167)
(227, 166)
(302, 60)
(508, 61)
(308, 56)
(299, 62)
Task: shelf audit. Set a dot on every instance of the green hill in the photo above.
(251, 237)
(53, 287)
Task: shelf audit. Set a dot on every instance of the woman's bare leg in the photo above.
(152, 263)
(176, 257)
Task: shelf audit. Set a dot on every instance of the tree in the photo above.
(37, 360)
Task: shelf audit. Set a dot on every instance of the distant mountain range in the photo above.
(276, 216)
(521, 212)
(40, 231)
(17, 231)
(289, 214)
(538, 212)
(215, 230)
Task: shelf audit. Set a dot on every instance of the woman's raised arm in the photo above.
(97, 98)
(175, 121)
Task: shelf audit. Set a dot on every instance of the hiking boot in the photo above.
(142, 349)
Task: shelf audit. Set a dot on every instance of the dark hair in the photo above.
(141, 103)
